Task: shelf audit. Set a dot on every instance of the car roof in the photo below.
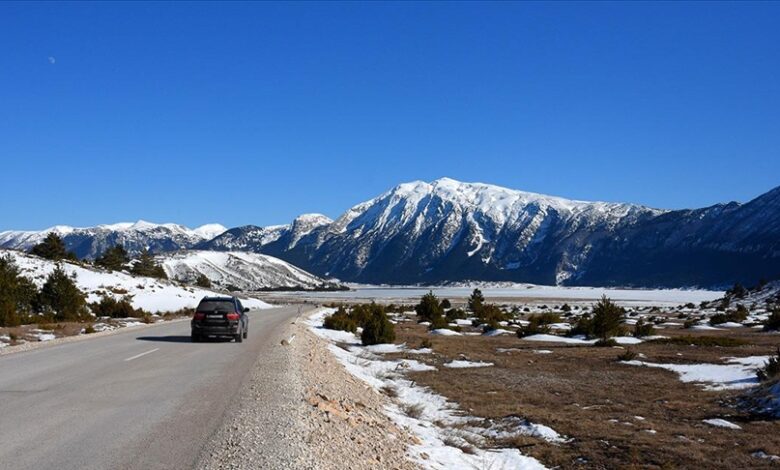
(211, 299)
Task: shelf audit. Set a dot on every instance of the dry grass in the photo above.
(413, 411)
(583, 393)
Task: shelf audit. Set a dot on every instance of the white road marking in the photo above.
(142, 354)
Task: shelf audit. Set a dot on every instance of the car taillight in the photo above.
(232, 316)
(199, 316)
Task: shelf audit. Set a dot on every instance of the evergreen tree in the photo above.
(115, 258)
(607, 318)
(52, 247)
(476, 301)
(61, 295)
(377, 328)
(146, 265)
(429, 309)
(17, 294)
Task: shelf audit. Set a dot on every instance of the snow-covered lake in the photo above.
(516, 293)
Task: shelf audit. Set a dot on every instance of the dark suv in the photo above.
(220, 316)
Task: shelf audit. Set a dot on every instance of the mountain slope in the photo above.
(90, 242)
(449, 231)
(246, 271)
(152, 295)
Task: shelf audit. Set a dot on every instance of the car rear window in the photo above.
(216, 305)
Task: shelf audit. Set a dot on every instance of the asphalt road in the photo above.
(141, 399)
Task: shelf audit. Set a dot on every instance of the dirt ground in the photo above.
(616, 415)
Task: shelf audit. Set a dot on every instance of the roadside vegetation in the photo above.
(371, 318)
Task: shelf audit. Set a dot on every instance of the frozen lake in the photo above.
(516, 293)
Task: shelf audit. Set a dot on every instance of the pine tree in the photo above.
(429, 309)
(146, 265)
(607, 318)
(377, 328)
(61, 295)
(17, 293)
(476, 301)
(52, 247)
(115, 258)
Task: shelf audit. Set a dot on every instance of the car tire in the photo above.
(239, 337)
(246, 333)
(195, 338)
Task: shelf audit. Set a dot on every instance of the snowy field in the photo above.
(515, 293)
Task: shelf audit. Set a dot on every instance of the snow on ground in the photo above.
(735, 374)
(442, 428)
(497, 332)
(721, 423)
(461, 364)
(559, 339)
(247, 271)
(150, 294)
(445, 332)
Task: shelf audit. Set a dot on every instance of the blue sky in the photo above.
(256, 112)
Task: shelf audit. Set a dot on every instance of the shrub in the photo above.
(566, 308)
(771, 368)
(738, 291)
(113, 259)
(426, 343)
(584, 326)
(340, 320)
(642, 329)
(89, 329)
(690, 323)
(61, 295)
(429, 309)
(455, 314)
(203, 281)
(490, 315)
(772, 323)
(535, 326)
(378, 328)
(413, 411)
(52, 247)
(110, 307)
(607, 318)
(627, 355)
(445, 303)
(605, 343)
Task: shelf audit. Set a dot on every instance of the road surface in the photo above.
(141, 399)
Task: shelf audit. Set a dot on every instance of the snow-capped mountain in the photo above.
(446, 230)
(246, 271)
(90, 242)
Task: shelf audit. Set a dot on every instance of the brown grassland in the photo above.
(606, 408)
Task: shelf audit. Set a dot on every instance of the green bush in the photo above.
(340, 320)
(627, 355)
(491, 315)
(429, 309)
(772, 323)
(642, 329)
(378, 328)
(455, 314)
(535, 326)
(583, 326)
(60, 295)
(605, 343)
(771, 368)
(110, 307)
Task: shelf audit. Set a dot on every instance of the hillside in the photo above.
(245, 271)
